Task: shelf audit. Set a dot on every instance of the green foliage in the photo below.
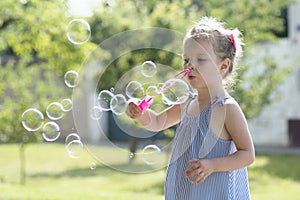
(35, 54)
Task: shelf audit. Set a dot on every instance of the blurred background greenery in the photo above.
(35, 52)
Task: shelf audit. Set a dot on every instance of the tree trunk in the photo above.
(22, 164)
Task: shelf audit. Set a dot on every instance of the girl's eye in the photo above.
(185, 61)
(200, 59)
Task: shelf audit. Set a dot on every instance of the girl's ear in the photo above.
(225, 64)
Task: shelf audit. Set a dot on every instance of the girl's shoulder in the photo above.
(233, 108)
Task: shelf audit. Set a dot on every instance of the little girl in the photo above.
(212, 145)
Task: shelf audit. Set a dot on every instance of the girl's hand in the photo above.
(133, 110)
(200, 169)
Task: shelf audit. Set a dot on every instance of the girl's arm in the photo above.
(236, 126)
(155, 121)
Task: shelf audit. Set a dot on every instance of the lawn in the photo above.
(52, 174)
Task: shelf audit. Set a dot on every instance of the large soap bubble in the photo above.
(51, 131)
(75, 148)
(32, 119)
(67, 104)
(134, 89)
(148, 68)
(118, 104)
(55, 111)
(151, 90)
(72, 136)
(78, 31)
(71, 78)
(177, 91)
(151, 154)
(104, 99)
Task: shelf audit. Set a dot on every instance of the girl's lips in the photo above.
(190, 77)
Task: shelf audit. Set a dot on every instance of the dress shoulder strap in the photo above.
(189, 100)
(219, 100)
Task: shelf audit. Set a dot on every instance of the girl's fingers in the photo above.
(199, 179)
(193, 161)
(133, 111)
(195, 166)
(193, 172)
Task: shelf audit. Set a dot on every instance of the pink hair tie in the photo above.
(231, 37)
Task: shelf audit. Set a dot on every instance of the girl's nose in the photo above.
(189, 66)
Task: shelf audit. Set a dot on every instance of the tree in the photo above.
(35, 55)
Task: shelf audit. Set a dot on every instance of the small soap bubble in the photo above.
(32, 119)
(55, 111)
(104, 99)
(75, 149)
(112, 90)
(118, 104)
(148, 68)
(131, 155)
(134, 89)
(51, 131)
(151, 90)
(96, 112)
(151, 154)
(72, 136)
(78, 31)
(67, 104)
(93, 166)
(177, 92)
(71, 78)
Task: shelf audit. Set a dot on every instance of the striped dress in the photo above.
(193, 137)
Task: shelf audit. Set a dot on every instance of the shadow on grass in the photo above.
(100, 170)
(281, 166)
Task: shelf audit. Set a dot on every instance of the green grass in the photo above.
(51, 174)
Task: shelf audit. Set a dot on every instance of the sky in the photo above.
(85, 7)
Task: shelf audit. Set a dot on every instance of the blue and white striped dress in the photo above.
(188, 144)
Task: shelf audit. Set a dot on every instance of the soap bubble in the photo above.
(151, 90)
(177, 91)
(93, 165)
(78, 31)
(96, 113)
(151, 154)
(32, 119)
(51, 131)
(66, 104)
(104, 99)
(131, 155)
(134, 89)
(55, 111)
(72, 136)
(148, 68)
(118, 104)
(71, 78)
(75, 148)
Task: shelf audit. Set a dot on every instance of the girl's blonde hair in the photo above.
(226, 43)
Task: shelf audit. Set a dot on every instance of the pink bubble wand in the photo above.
(148, 100)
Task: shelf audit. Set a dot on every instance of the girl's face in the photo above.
(205, 65)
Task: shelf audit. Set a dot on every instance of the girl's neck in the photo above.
(209, 94)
